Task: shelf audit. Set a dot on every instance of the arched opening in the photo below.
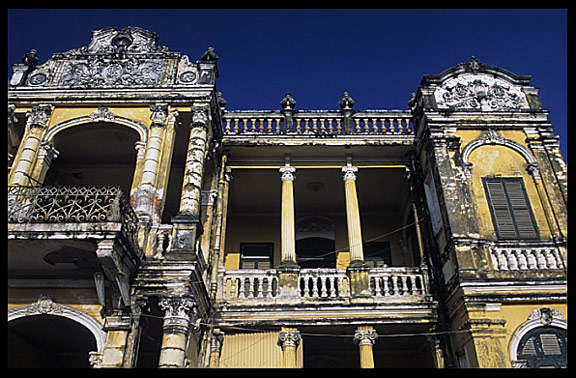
(544, 347)
(48, 341)
(94, 154)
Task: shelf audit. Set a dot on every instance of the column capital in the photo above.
(38, 116)
(159, 115)
(200, 116)
(289, 338)
(287, 173)
(177, 317)
(365, 337)
(349, 172)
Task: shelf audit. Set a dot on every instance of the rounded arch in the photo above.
(46, 306)
(542, 317)
(491, 137)
(100, 115)
(96, 154)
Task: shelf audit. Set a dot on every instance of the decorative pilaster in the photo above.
(365, 337)
(289, 339)
(176, 329)
(216, 347)
(36, 124)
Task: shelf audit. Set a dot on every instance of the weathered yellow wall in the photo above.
(252, 350)
(500, 161)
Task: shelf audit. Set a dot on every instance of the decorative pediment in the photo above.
(128, 41)
(127, 58)
(479, 91)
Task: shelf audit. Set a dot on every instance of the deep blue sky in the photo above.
(377, 55)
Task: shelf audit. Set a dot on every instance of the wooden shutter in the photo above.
(511, 213)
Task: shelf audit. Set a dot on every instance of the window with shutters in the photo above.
(544, 347)
(511, 213)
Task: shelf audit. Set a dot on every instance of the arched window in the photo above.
(541, 341)
(543, 347)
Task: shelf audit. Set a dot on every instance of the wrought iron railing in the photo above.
(71, 204)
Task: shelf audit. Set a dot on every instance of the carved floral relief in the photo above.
(479, 92)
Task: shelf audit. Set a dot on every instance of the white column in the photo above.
(288, 228)
(353, 214)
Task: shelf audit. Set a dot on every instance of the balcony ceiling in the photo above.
(317, 191)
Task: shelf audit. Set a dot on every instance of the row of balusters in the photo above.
(317, 126)
(321, 285)
(526, 258)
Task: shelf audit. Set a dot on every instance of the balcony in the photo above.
(390, 284)
(397, 295)
(58, 234)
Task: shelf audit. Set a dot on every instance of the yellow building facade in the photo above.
(149, 226)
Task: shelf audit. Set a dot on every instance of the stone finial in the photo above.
(30, 59)
(288, 102)
(209, 55)
(346, 102)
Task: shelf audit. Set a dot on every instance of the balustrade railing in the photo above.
(526, 258)
(396, 282)
(322, 284)
(71, 204)
(317, 123)
(251, 283)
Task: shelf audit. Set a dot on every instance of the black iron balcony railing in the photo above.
(71, 204)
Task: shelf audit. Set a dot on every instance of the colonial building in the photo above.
(149, 226)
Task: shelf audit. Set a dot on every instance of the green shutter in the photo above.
(511, 213)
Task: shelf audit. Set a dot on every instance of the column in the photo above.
(176, 328)
(365, 337)
(187, 221)
(219, 235)
(146, 195)
(288, 228)
(194, 165)
(289, 339)
(353, 215)
(358, 271)
(36, 124)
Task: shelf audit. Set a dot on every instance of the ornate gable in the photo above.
(477, 86)
(115, 59)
